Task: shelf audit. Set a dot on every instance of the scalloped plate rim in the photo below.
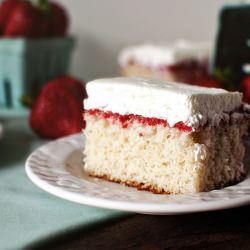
(167, 208)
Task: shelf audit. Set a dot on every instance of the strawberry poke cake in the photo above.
(183, 61)
(164, 137)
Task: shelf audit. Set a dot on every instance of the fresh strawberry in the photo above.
(60, 20)
(45, 17)
(246, 86)
(58, 110)
(210, 84)
(45, 24)
(23, 21)
(6, 8)
(54, 19)
(206, 81)
(76, 85)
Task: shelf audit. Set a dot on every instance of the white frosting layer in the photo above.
(173, 102)
(156, 56)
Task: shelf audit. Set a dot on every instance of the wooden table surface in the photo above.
(226, 229)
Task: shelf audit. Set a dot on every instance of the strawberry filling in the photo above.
(125, 120)
(189, 70)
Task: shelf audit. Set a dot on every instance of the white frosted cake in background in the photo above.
(164, 137)
(181, 61)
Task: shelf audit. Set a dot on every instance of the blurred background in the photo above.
(104, 27)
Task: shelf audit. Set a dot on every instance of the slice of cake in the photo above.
(164, 137)
(182, 61)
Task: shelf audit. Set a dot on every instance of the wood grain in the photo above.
(227, 229)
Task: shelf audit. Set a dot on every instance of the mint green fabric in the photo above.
(28, 215)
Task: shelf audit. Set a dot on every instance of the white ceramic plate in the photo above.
(57, 168)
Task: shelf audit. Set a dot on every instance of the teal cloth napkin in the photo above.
(28, 215)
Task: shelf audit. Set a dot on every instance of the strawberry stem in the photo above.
(44, 6)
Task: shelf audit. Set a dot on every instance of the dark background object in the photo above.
(232, 45)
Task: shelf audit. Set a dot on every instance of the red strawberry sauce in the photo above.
(125, 120)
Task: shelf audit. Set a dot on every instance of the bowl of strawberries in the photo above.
(34, 48)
